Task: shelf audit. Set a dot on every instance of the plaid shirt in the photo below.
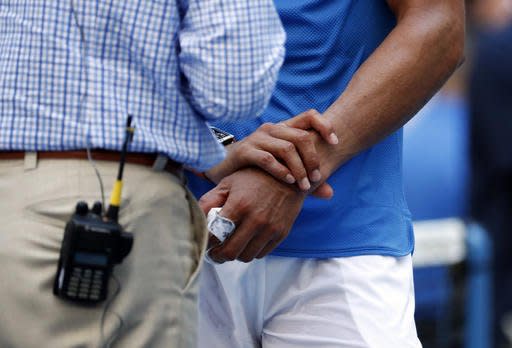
(71, 72)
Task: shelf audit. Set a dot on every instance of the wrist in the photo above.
(210, 176)
(201, 175)
(223, 169)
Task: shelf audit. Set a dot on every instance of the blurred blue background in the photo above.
(458, 184)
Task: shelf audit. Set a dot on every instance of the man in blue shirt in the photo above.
(70, 73)
(340, 272)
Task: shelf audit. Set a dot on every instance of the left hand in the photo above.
(285, 150)
(262, 208)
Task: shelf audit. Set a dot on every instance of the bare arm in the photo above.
(397, 79)
(401, 75)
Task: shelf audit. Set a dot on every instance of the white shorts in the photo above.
(362, 301)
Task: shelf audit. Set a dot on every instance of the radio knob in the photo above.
(81, 208)
(97, 208)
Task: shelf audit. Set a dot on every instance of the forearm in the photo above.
(397, 79)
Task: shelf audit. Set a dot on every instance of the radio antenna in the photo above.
(115, 196)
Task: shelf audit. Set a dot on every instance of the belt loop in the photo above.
(30, 162)
(160, 163)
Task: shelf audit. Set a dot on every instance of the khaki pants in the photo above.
(156, 305)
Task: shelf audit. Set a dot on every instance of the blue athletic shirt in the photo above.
(327, 41)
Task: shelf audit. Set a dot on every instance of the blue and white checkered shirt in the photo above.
(71, 72)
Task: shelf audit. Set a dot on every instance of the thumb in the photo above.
(323, 191)
(212, 199)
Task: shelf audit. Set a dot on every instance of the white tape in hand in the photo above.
(220, 226)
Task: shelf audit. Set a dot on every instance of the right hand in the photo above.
(287, 153)
(262, 208)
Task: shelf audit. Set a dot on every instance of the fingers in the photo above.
(274, 151)
(232, 247)
(212, 199)
(212, 241)
(254, 248)
(255, 237)
(271, 245)
(306, 165)
(323, 191)
(252, 234)
(262, 209)
(271, 165)
(245, 245)
(312, 119)
(287, 150)
(229, 250)
(295, 148)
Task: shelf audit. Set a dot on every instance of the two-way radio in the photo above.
(93, 243)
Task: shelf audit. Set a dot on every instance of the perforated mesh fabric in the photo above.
(326, 43)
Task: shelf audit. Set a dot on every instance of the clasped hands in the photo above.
(263, 182)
